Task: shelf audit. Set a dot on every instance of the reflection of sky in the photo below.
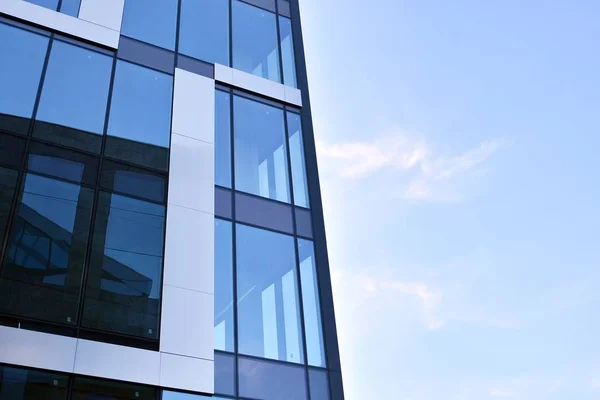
(460, 176)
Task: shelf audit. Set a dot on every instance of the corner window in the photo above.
(72, 107)
(151, 21)
(43, 266)
(296, 143)
(204, 30)
(19, 77)
(261, 166)
(287, 51)
(267, 296)
(255, 47)
(139, 125)
(124, 278)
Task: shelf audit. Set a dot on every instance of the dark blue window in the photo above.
(8, 183)
(72, 107)
(23, 55)
(151, 21)
(267, 296)
(255, 47)
(223, 286)
(319, 384)
(139, 125)
(69, 7)
(223, 139)
(23, 384)
(204, 30)
(96, 389)
(270, 380)
(124, 279)
(43, 266)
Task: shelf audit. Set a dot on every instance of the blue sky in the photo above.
(457, 149)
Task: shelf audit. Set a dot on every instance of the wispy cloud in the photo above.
(427, 175)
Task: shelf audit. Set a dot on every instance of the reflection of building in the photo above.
(161, 231)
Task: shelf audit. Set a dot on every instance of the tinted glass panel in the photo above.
(74, 97)
(124, 278)
(65, 164)
(151, 21)
(95, 389)
(271, 381)
(223, 286)
(22, 384)
(311, 305)
(8, 184)
(133, 181)
(255, 48)
(297, 158)
(51, 4)
(19, 78)
(168, 395)
(225, 374)
(319, 384)
(204, 30)
(260, 155)
(140, 116)
(223, 138)
(267, 295)
(287, 51)
(70, 7)
(43, 266)
(12, 149)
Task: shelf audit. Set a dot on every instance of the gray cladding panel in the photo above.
(263, 212)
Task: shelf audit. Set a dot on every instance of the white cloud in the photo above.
(425, 174)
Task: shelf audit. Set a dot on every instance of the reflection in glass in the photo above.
(96, 389)
(287, 51)
(223, 285)
(255, 48)
(8, 184)
(72, 107)
(124, 278)
(222, 139)
(139, 125)
(267, 295)
(61, 163)
(19, 78)
(23, 384)
(296, 144)
(268, 380)
(151, 21)
(204, 30)
(260, 155)
(225, 374)
(319, 384)
(310, 304)
(133, 181)
(41, 277)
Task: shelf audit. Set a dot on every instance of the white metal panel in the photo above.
(224, 74)
(107, 13)
(112, 361)
(192, 174)
(186, 326)
(60, 22)
(37, 349)
(259, 85)
(189, 249)
(187, 373)
(293, 96)
(194, 106)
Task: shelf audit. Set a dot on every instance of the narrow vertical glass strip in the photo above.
(223, 285)
(287, 51)
(299, 183)
(223, 139)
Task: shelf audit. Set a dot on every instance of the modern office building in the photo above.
(161, 227)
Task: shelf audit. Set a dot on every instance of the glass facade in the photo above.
(85, 154)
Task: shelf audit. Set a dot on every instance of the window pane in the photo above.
(319, 384)
(96, 389)
(23, 384)
(44, 261)
(124, 278)
(297, 157)
(51, 4)
(310, 304)
(19, 78)
(151, 21)
(260, 155)
(271, 381)
(133, 181)
(255, 48)
(287, 51)
(223, 285)
(225, 374)
(139, 126)
(204, 30)
(8, 184)
(223, 139)
(267, 295)
(74, 97)
(70, 7)
(62, 163)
